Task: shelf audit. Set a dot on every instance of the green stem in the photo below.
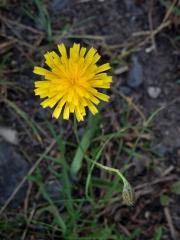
(110, 169)
(75, 128)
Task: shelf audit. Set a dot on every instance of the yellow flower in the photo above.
(72, 81)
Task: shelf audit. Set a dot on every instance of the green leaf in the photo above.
(175, 188)
(164, 199)
(84, 144)
(158, 234)
(58, 220)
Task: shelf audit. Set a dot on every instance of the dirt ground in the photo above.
(141, 41)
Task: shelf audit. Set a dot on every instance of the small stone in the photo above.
(147, 214)
(126, 90)
(42, 114)
(13, 168)
(58, 5)
(159, 149)
(135, 77)
(140, 164)
(9, 135)
(54, 189)
(154, 92)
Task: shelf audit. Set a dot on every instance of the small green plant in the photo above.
(44, 18)
(158, 234)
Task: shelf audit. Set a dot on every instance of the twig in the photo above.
(131, 103)
(20, 25)
(28, 222)
(156, 181)
(169, 11)
(6, 45)
(168, 170)
(170, 223)
(124, 230)
(26, 201)
(20, 42)
(151, 25)
(155, 31)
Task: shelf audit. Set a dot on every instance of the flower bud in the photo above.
(128, 194)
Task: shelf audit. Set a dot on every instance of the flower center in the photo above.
(73, 81)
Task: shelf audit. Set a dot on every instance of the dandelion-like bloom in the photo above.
(72, 81)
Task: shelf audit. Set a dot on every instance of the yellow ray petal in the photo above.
(40, 71)
(51, 102)
(74, 51)
(103, 68)
(70, 95)
(42, 84)
(78, 114)
(40, 91)
(91, 107)
(83, 51)
(102, 96)
(72, 107)
(62, 50)
(94, 100)
(90, 54)
(59, 107)
(96, 58)
(103, 76)
(66, 112)
(49, 59)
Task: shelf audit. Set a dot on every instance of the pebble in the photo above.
(13, 168)
(54, 189)
(159, 149)
(141, 164)
(42, 114)
(9, 135)
(135, 77)
(58, 5)
(126, 90)
(154, 92)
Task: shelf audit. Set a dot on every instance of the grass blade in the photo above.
(84, 144)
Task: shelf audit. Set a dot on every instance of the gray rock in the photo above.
(13, 168)
(154, 92)
(135, 77)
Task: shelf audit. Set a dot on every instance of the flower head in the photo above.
(72, 81)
